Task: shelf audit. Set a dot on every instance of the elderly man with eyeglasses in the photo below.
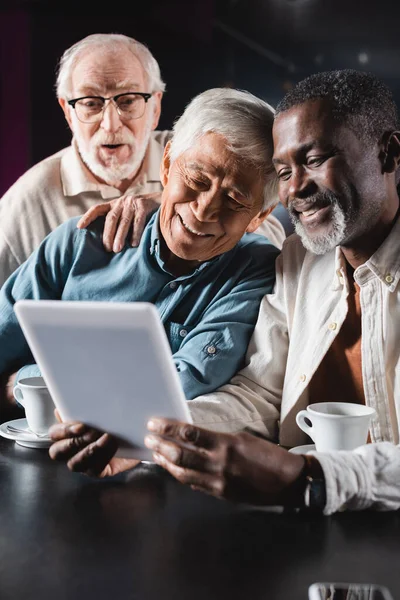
(110, 88)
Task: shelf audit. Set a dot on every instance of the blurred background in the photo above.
(264, 46)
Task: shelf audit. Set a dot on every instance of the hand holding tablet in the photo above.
(108, 365)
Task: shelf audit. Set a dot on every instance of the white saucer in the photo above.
(302, 449)
(28, 439)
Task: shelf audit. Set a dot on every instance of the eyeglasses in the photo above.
(89, 109)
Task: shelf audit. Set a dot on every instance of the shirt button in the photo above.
(389, 278)
(183, 333)
(211, 349)
(332, 326)
(303, 378)
(173, 285)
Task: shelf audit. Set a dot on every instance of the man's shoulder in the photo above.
(295, 260)
(37, 179)
(161, 136)
(257, 249)
(293, 248)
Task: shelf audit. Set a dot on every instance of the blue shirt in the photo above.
(208, 315)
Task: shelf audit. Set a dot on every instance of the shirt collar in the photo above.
(339, 277)
(384, 263)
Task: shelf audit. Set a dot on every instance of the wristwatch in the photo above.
(315, 488)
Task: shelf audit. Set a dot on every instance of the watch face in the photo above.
(315, 493)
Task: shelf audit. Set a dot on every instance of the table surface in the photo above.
(142, 536)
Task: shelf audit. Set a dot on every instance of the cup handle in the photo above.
(301, 422)
(18, 395)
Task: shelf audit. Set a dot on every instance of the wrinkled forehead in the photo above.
(312, 122)
(106, 71)
(212, 155)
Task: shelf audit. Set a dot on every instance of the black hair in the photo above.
(358, 99)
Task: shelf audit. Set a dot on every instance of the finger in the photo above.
(126, 219)
(93, 213)
(185, 432)
(57, 415)
(63, 430)
(183, 455)
(94, 458)
(70, 440)
(205, 482)
(138, 226)
(110, 225)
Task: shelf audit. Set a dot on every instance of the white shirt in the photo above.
(296, 326)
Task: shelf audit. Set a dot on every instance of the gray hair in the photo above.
(244, 120)
(104, 42)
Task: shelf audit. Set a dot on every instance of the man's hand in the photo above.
(87, 450)
(122, 213)
(239, 467)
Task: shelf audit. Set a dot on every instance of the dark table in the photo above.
(143, 536)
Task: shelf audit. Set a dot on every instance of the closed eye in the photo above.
(284, 174)
(315, 161)
(198, 184)
(234, 204)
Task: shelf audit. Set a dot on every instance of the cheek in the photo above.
(138, 128)
(85, 132)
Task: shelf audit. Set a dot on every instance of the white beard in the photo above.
(115, 172)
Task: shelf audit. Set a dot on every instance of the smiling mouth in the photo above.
(309, 213)
(307, 210)
(193, 231)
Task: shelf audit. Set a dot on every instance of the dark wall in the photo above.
(264, 46)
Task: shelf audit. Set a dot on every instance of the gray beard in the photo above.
(325, 242)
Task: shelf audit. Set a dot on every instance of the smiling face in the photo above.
(209, 201)
(112, 148)
(331, 182)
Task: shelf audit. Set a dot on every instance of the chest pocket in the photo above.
(176, 334)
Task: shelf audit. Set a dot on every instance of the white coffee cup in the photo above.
(33, 395)
(336, 425)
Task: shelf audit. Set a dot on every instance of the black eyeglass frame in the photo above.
(145, 95)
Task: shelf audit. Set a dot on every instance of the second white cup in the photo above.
(33, 395)
(336, 425)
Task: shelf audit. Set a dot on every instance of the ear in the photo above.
(156, 99)
(389, 154)
(258, 219)
(165, 165)
(66, 110)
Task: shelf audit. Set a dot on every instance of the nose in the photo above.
(301, 185)
(111, 120)
(207, 207)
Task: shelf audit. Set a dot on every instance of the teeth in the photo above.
(308, 213)
(192, 230)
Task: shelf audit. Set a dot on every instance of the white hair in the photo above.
(244, 120)
(105, 42)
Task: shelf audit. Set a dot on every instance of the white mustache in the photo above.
(112, 140)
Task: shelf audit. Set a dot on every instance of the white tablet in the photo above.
(106, 364)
